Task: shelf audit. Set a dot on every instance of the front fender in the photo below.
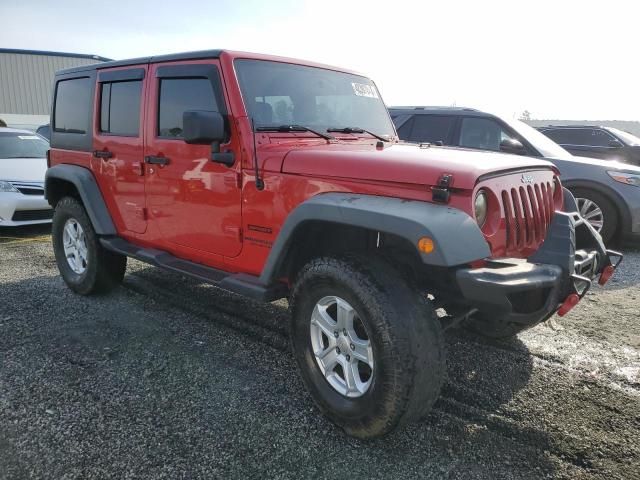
(457, 237)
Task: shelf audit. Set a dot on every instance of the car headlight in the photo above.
(480, 208)
(7, 187)
(625, 177)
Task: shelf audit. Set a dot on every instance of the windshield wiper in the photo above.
(293, 128)
(357, 130)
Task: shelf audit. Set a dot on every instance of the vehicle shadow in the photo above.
(9, 234)
(187, 364)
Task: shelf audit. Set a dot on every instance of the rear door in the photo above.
(118, 145)
(194, 202)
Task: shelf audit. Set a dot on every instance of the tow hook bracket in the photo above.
(581, 286)
(609, 270)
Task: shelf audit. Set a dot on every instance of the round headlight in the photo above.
(480, 207)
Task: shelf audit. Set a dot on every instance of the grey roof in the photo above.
(437, 109)
(54, 54)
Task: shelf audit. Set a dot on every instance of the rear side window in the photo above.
(404, 131)
(178, 95)
(120, 108)
(570, 136)
(431, 128)
(72, 105)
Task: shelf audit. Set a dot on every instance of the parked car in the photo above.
(607, 193)
(44, 131)
(606, 143)
(23, 164)
(273, 178)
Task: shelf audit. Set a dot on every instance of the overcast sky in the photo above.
(562, 59)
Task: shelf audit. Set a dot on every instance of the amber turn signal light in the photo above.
(426, 245)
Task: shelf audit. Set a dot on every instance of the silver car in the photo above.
(607, 192)
(23, 163)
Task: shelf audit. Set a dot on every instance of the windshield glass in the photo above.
(22, 145)
(626, 137)
(278, 94)
(547, 147)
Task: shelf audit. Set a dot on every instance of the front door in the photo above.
(118, 145)
(194, 202)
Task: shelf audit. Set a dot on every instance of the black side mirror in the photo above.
(615, 144)
(510, 145)
(202, 127)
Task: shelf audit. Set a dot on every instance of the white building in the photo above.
(26, 79)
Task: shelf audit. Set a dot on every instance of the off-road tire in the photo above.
(609, 212)
(105, 269)
(406, 337)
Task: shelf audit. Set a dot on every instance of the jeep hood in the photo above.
(402, 163)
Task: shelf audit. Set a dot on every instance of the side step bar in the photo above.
(241, 283)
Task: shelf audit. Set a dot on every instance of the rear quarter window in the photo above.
(71, 117)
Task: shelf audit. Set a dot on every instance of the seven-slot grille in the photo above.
(528, 211)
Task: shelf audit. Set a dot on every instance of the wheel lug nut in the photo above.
(338, 350)
(348, 358)
(335, 334)
(344, 331)
(352, 346)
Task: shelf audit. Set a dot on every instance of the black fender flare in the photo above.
(87, 187)
(457, 237)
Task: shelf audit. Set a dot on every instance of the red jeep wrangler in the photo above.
(274, 178)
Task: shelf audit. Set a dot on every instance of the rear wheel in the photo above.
(85, 266)
(368, 346)
(599, 211)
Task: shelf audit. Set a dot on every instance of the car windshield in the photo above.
(545, 146)
(278, 94)
(627, 137)
(22, 145)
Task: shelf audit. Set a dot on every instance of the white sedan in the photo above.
(23, 163)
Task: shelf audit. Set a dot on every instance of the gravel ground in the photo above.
(168, 378)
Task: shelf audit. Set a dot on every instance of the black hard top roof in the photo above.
(54, 54)
(142, 60)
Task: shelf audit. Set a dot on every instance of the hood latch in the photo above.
(441, 192)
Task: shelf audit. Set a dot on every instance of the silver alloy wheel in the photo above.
(341, 346)
(75, 246)
(591, 212)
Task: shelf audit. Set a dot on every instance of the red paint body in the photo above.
(207, 212)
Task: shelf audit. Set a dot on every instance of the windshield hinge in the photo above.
(441, 193)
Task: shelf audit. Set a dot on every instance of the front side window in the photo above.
(177, 95)
(120, 108)
(22, 145)
(482, 133)
(72, 105)
(600, 138)
(277, 94)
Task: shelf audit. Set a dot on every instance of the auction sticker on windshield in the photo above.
(364, 90)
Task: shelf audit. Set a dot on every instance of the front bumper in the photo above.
(17, 209)
(530, 291)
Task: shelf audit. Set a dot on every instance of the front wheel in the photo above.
(368, 346)
(85, 266)
(597, 210)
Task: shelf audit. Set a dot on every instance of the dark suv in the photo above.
(607, 193)
(606, 143)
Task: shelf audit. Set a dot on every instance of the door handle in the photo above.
(103, 154)
(156, 160)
